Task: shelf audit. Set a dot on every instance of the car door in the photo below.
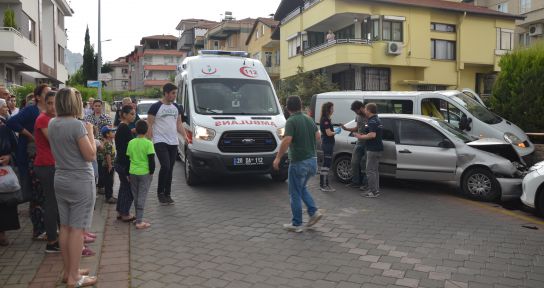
(388, 161)
(419, 155)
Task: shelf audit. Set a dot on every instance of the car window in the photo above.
(412, 132)
(393, 106)
(388, 128)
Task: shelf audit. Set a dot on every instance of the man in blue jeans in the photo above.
(300, 138)
(358, 157)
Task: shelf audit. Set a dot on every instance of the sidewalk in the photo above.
(25, 264)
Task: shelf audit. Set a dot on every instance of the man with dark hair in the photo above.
(358, 157)
(165, 122)
(12, 105)
(97, 118)
(300, 138)
(374, 148)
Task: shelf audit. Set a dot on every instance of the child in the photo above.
(107, 164)
(141, 154)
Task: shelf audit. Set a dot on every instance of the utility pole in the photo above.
(99, 64)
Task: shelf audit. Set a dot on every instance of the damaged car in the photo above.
(423, 148)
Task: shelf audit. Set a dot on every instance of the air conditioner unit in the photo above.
(394, 48)
(536, 29)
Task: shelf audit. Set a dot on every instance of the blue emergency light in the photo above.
(224, 53)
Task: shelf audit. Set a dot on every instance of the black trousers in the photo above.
(101, 174)
(108, 182)
(46, 175)
(167, 158)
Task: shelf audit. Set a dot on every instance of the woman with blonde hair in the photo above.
(73, 146)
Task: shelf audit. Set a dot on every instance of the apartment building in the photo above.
(230, 34)
(528, 30)
(192, 34)
(120, 75)
(153, 63)
(33, 50)
(394, 44)
(261, 46)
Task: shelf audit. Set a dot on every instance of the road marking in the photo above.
(503, 211)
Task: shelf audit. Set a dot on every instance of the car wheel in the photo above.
(481, 184)
(190, 176)
(342, 168)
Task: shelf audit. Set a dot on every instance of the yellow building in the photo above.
(262, 47)
(229, 35)
(394, 44)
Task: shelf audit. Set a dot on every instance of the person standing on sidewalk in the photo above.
(141, 154)
(301, 135)
(358, 157)
(99, 120)
(73, 146)
(327, 144)
(122, 138)
(44, 167)
(108, 135)
(374, 148)
(165, 122)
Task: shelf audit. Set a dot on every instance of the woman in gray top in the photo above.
(73, 146)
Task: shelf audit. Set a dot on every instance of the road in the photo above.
(228, 233)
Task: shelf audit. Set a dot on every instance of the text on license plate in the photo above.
(248, 161)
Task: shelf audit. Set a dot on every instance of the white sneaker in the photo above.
(289, 227)
(327, 189)
(370, 195)
(314, 219)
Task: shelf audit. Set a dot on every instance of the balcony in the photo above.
(273, 70)
(331, 43)
(187, 40)
(14, 45)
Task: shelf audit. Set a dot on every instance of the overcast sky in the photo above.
(127, 21)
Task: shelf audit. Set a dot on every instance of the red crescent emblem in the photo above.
(210, 70)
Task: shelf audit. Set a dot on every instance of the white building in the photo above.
(33, 52)
(120, 75)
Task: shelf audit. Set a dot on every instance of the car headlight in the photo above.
(203, 133)
(513, 139)
(281, 132)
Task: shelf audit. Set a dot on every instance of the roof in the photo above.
(266, 21)
(148, 83)
(200, 23)
(242, 21)
(159, 37)
(286, 6)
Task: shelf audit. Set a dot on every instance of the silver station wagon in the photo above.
(423, 148)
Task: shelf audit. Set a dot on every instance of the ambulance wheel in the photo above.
(190, 176)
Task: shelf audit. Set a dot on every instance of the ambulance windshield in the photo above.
(234, 97)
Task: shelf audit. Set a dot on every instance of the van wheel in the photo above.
(342, 168)
(190, 176)
(481, 184)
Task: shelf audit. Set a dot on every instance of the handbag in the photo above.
(10, 189)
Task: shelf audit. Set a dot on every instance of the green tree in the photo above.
(305, 85)
(89, 60)
(9, 18)
(518, 94)
(77, 78)
(106, 68)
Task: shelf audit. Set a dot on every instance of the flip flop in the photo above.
(82, 272)
(143, 225)
(89, 234)
(84, 281)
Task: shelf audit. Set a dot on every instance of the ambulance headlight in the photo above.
(281, 132)
(203, 133)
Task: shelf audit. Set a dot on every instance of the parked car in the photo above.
(533, 188)
(423, 148)
(143, 107)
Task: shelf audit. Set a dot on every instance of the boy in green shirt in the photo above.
(141, 154)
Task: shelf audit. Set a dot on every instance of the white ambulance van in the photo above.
(232, 117)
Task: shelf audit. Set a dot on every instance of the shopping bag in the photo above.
(10, 189)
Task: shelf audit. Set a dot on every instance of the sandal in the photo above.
(87, 252)
(84, 281)
(87, 239)
(142, 225)
(89, 234)
(82, 272)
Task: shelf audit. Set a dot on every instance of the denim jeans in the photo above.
(124, 198)
(299, 174)
(372, 165)
(358, 165)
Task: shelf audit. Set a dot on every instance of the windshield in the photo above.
(234, 97)
(476, 109)
(450, 129)
(143, 108)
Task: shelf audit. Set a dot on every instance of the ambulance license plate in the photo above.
(248, 161)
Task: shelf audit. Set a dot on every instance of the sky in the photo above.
(125, 22)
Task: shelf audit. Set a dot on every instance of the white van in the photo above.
(232, 117)
(452, 106)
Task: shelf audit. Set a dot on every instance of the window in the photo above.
(415, 133)
(442, 27)
(392, 31)
(268, 59)
(376, 29)
(60, 19)
(9, 75)
(388, 128)
(216, 45)
(258, 33)
(505, 39)
(524, 39)
(346, 32)
(503, 7)
(376, 79)
(524, 6)
(61, 54)
(124, 71)
(294, 46)
(278, 57)
(441, 109)
(31, 30)
(393, 106)
(442, 49)
(168, 59)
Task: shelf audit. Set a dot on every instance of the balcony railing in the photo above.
(272, 70)
(307, 5)
(11, 29)
(330, 43)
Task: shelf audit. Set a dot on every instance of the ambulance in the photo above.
(232, 117)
